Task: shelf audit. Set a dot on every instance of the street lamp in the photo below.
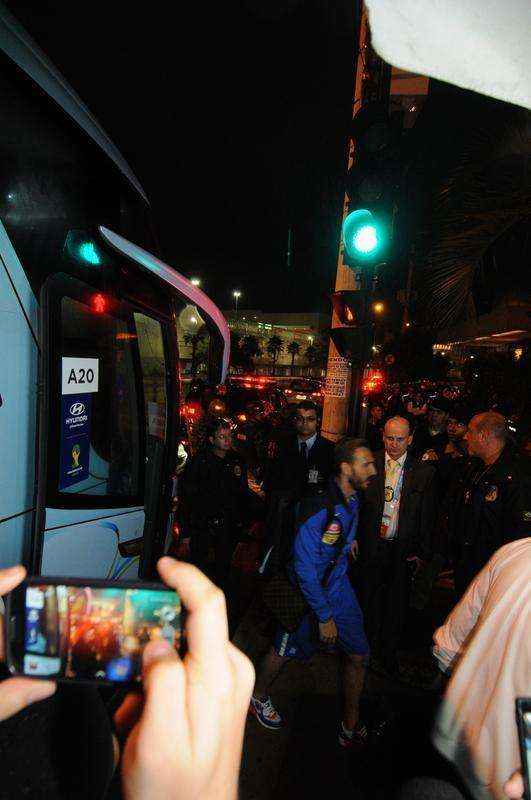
(236, 294)
(195, 281)
(378, 307)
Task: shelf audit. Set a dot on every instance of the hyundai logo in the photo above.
(76, 409)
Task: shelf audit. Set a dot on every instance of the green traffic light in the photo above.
(365, 239)
(81, 246)
(362, 236)
(87, 251)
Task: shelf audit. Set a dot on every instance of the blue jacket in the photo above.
(315, 548)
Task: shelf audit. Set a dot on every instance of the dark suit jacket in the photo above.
(416, 515)
(286, 484)
(288, 471)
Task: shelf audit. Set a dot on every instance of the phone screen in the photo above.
(93, 633)
(523, 721)
(526, 748)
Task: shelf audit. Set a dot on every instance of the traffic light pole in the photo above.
(343, 377)
(343, 380)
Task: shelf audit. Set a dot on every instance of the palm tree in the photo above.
(251, 349)
(481, 196)
(194, 340)
(274, 347)
(293, 349)
(312, 356)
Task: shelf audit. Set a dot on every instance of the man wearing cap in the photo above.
(448, 457)
(432, 435)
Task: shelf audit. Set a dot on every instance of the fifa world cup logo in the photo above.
(76, 452)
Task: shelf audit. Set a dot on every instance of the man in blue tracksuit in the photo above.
(325, 539)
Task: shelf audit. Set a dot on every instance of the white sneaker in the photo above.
(266, 714)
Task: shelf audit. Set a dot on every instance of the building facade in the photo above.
(308, 330)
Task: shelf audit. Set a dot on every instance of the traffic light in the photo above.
(83, 249)
(363, 236)
(373, 382)
(371, 185)
(348, 336)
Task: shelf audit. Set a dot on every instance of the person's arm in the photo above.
(306, 551)
(450, 637)
(186, 733)
(17, 693)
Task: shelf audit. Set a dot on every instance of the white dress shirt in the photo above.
(308, 442)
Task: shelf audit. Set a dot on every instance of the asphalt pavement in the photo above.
(304, 759)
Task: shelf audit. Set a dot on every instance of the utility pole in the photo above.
(341, 379)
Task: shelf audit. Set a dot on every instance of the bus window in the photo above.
(104, 458)
(194, 345)
(151, 347)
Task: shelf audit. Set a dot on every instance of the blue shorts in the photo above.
(346, 612)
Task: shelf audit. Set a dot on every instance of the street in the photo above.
(305, 757)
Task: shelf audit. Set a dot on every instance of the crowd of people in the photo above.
(352, 536)
(355, 536)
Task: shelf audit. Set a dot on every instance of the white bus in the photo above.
(89, 330)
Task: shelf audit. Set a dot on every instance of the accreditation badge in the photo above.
(389, 494)
(332, 533)
(492, 494)
(313, 476)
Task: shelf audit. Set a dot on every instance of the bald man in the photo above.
(395, 529)
(492, 500)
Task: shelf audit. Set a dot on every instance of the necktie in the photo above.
(394, 467)
(304, 451)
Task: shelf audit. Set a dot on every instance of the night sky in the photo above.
(234, 117)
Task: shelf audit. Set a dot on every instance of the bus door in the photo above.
(105, 432)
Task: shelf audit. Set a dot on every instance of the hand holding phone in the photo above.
(186, 732)
(18, 693)
(523, 721)
(81, 630)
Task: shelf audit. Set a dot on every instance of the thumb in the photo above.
(164, 680)
(17, 693)
(160, 650)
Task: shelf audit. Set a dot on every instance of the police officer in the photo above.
(431, 434)
(449, 458)
(325, 539)
(493, 499)
(213, 502)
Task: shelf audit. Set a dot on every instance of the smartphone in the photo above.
(83, 630)
(523, 721)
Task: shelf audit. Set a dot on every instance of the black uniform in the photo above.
(424, 440)
(489, 507)
(213, 506)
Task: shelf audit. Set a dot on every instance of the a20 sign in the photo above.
(79, 375)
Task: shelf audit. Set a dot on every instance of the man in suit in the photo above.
(302, 462)
(396, 521)
(300, 466)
